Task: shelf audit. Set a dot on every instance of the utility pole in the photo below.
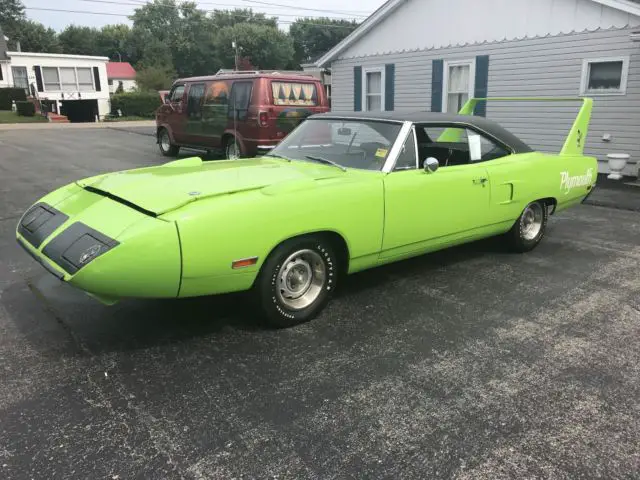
(234, 45)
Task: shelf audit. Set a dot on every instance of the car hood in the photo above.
(161, 189)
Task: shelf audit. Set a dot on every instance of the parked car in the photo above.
(243, 113)
(340, 194)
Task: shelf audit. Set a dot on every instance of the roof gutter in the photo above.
(374, 19)
(622, 5)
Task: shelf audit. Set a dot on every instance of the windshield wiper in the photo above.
(326, 161)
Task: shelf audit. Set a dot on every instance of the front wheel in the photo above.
(167, 148)
(529, 229)
(297, 281)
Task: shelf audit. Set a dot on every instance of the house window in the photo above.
(51, 78)
(459, 84)
(373, 90)
(20, 78)
(604, 76)
(68, 78)
(85, 80)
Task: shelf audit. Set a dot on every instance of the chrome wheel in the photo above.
(301, 279)
(531, 221)
(165, 141)
(233, 151)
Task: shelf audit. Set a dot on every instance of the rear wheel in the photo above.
(530, 227)
(297, 281)
(232, 149)
(167, 148)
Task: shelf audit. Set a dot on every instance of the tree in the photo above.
(265, 47)
(35, 37)
(11, 14)
(116, 42)
(313, 37)
(79, 40)
(154, 78)
(229, 18)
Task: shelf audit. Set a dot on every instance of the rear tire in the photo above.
(167, 148)
(232, 150)
(529, 229)
(297, 281)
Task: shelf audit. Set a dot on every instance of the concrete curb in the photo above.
(71, 126)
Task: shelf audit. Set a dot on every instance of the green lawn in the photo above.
(130, 118)
(7, 116)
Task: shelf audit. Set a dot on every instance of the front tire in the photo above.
(297, 281)
(529, 229)
(167, 148)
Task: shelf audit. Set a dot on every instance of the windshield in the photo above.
(363, 144)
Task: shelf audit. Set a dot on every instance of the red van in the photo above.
(242, 113)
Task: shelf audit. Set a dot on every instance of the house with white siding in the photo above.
(433, 55)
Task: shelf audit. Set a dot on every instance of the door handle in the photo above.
(480, 181)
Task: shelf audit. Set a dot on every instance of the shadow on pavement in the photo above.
(91, 328)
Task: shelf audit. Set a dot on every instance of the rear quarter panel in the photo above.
(215, 232)
(520, 179)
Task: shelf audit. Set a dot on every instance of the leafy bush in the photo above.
(139, 104)
(7, 95)
(26, 109)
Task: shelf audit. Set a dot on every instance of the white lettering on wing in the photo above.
(567, 182)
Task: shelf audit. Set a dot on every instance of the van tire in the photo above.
(232, 150)
(167, 148)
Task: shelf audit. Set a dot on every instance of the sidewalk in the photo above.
(616, 194)
(67, 126)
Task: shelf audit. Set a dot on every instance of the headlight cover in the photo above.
(39, 222)
(77, 246)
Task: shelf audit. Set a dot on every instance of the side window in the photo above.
(217, 94)
(482, 149)
(447, 144)
(407, 157)
(176, 94)
(453, 146)
(239, 100)
(194, 100)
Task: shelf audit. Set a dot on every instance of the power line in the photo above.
(136, 4)
(237, 16)
(359, 13)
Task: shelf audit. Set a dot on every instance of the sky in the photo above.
(116, 11)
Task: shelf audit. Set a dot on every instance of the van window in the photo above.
(177, 94)
(217, 94)
(294, 94)
(194, 100)
(239, 100)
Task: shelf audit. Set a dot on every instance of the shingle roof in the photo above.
(120, 71)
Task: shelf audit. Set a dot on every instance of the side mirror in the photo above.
(431, 165)
(166, 98)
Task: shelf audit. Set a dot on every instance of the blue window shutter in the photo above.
(482, 83)
(357, 89)
(389, 86)
(437, 74)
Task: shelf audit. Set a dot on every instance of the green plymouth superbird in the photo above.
(340, 194)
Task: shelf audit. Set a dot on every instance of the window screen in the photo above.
(605, 75)
(51, 78)
(20, 79)
(85, 80)
(68, 79)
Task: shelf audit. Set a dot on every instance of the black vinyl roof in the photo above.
(487, 126)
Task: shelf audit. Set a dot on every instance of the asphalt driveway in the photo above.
(470, 363)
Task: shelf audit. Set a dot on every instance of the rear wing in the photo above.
(574, 144)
